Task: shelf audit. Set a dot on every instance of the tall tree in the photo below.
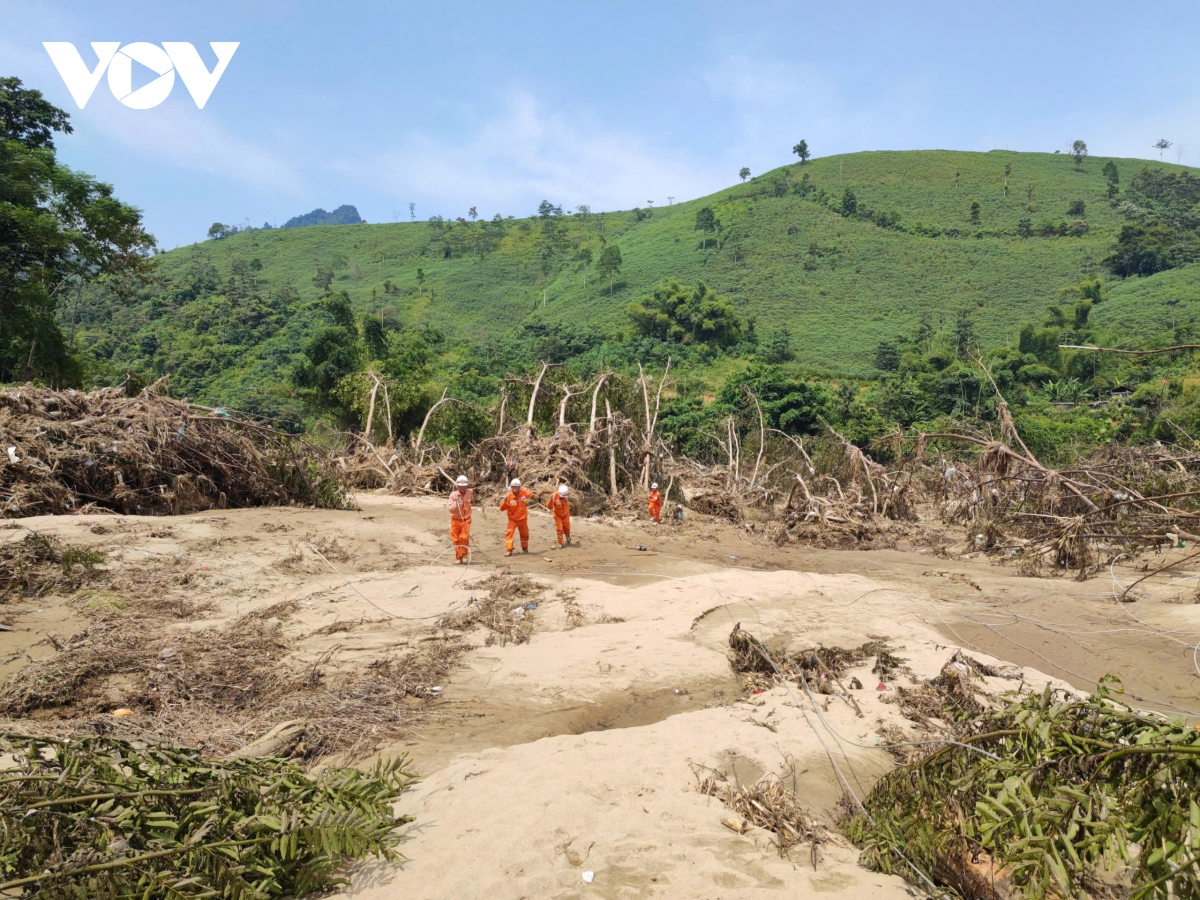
(849, 203)
(1079, 151)
(1112, 177)
(744, 173)
(58, 229)
(706, 223)
(28, 118)
(974, 212)
(801, 150)
(1162, 145)
(609, 264)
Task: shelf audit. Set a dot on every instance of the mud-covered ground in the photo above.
(568, 741)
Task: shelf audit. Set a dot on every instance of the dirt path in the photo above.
(574, 752)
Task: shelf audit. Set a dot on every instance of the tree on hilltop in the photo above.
(744, 173)
(1079, 151)
(801, 150)
(1162, 145)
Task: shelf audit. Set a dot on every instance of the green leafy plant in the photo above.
(1070, 791)
(98, 817)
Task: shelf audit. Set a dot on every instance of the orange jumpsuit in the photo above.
(561, 507)
(460, 520)
(518, 517)
(655, 506)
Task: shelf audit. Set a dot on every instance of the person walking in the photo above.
(655, 504)
(518, 516)
(560, 505)
(460, 518)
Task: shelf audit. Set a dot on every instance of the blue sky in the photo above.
(499, 105)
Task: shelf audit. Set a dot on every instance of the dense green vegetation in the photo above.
(59, 230)
(870, 291)
(875, 277)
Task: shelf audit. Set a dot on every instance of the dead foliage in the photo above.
(216, 687)
(38, 564)
(505, 612)
(820, 668)
(149, 455)
(769, 803)
(952, 696)
(1117, 501)
(572, 611)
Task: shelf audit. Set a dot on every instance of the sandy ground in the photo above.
(577, 752)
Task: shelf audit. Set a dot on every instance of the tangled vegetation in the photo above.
(145, 454)
(99, 817)
(1061, 796)
(39, 563)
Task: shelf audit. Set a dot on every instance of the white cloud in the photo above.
(774, 103)
(193, 140)
(525, 154)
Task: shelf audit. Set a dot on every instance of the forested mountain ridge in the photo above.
(832, 257)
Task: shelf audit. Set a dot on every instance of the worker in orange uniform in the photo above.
(561, 507)
(655, 504)
(518, 515)
(460, 517)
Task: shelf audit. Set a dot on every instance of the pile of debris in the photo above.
(70, 451)
(1118, 501)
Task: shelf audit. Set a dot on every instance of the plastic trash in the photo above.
(588, 877)
(640, 547)
(881, 686)
(122, 712)
(12, 456)
(437, 689)
(531, 606)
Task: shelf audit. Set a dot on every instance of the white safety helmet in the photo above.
(654, 486)
(562, 489)
(516, 482)
(461, 481)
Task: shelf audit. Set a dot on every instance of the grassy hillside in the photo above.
(229, 315)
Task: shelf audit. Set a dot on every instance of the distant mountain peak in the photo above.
(343, 215)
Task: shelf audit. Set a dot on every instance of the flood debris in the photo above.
(148, 454)
(221, 687)
(38, 564)
(818, 668)
(769, 803)
(505, 611)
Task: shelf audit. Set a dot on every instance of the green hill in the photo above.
(228, 317)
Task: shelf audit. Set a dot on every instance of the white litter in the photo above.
(12, 456)
(588, 876)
